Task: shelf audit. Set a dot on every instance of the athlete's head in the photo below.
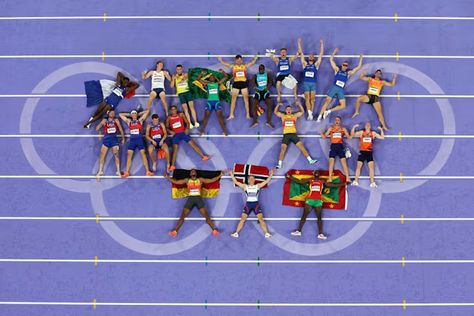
(261, 68)
(251, 180)
(193, 174)
(159, 65)
(174, 110)
(338, 120)
(238, 59)
(316, 174)
(288, 109)
(367, 126)
(212, 78)
(111, 114)
(134, 114)
(283, 52)
(179, 69)
(155, 118)
(345, 65)
(125, 81)
(311, 58)
(378, 74)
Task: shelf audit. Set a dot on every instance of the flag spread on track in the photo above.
(199, 91)
(208, 190)
(243, 172)
(294, 194)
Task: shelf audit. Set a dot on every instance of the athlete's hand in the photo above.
(272, 172)
(336, 50)
(123, 140)
(361, 56)
(153, 142)
(287, 175)
(166, 175)
(320, 41)
(380, 128)
(162, 142)
(394, 76)
(355, 126)
(186, 131)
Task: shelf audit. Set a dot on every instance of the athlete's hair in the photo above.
(238, 56)
(154, 116)
(174, 106)
(339, 117)
(160, 61)
(283, 48)
(345, 62)
(288, 106)
(179, 65)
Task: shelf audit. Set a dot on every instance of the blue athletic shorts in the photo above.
(110, 141)
(252, 207)
(337, 150)
(213, 105)
(338, 92)
(178, 137)
(309, 86)
(158, 91)
(136, 143)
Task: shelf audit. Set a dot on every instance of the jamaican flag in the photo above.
(208, 190)
(199, 91)
(294, 194)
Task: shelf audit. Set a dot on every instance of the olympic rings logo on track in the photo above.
(96, 189)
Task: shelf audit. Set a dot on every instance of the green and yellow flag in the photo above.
(199, 91)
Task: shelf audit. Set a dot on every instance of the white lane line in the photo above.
(259, 304)
(241, 17)
(419, 96)
(66, 56)
(228, 136)
(238, 261)
(403, 177)
(274, 219)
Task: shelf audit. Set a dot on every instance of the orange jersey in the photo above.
(337, 133)
(239, 73)
(289, 123)
(194, 187)
(375, 87)
(366, 141)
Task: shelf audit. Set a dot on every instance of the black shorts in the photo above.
(373, 99)
(290, 138)
(281, 77)
(252, 207)
(239, 85)
(337, 150)
(194, 201)
(365, 156)
(261, 95)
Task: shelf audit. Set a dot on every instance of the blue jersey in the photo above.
(341, 78)
(310, 72)
(115, 97)
(283, 67)
(262, 81)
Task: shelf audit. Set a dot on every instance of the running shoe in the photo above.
(215, 233)
(235, 235)
(322, 237)
(296, 233)
(173, 233)
(268, 235)
(373, 185)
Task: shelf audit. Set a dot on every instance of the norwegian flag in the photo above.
(243, 172)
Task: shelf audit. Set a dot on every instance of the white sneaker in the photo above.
(355, 183)
(319, 119)
(191, 126)
(373, 185)
(279, 166)
(235, 235)
(268, 235)
(313, 161)
(322, 237)
(196, 125)
(326, 114)
(296, 233)
(310, 116)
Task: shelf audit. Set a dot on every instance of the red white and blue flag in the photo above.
(243, 172)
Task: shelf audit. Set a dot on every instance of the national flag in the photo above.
(208, 190)
(197, 88)
(243, 172)
(294, 194)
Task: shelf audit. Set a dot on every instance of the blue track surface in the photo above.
(233, 282)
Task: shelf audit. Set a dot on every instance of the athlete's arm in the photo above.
(320, 56)
(267, 181)
(228, 65)
(213, 179)
(300, 110)
(362, 76)
(124, 117)
(392, 83)
(353, 132)
(274, 58)
(323, 134)
(121, 130)
(331, 60)
(119, 78)
(252, 62)
(143, 115)
(234, 180)
(300, 51)
(270, 81)
(226, 76)
(276, 111)
(131, 86)
(100, 125)
(147, 134)
(147, 74)
(356, 69)
(348, 136)
(173, 78)
(333, 185)
(165, 131)
(381, 135)
(183, 181)
(254, 81)
(167, 75)
(168, 128)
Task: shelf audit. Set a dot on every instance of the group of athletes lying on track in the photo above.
(178, 124)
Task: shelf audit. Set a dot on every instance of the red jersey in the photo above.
(315, 189)
(366, 141)
(136, 128)
(156, 132)
(177, 123)
(110, 127)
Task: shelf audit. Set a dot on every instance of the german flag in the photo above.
(294, 194)
(208, 190)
